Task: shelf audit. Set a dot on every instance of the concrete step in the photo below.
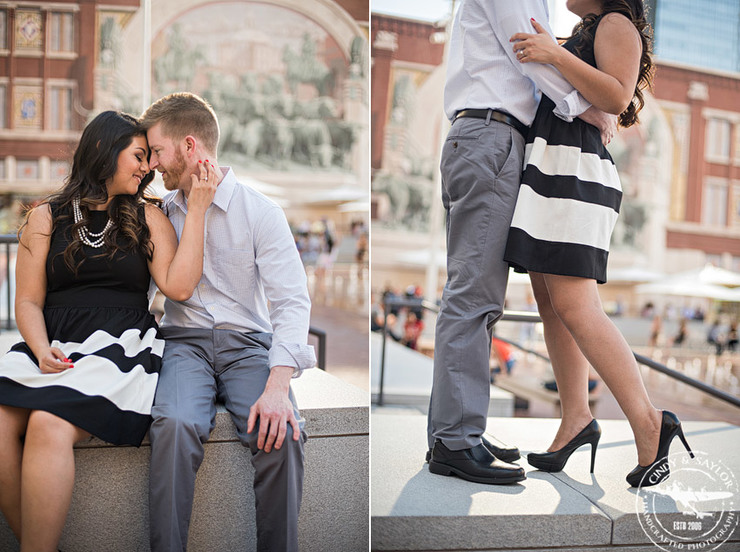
(412, 509)
(109, 509)
(408, 378)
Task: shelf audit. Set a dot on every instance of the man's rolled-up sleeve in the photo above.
(284, 280)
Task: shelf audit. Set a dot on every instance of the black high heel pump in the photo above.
(659, 470)
(555, 461)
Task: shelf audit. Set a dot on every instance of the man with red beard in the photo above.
(239, 339)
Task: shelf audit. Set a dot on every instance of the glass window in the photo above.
(714, 205)
(27, 169)
(3, 105)
(60, 98)
(2, 169)
(703, 21)
(717, 141)
(61, 37)
(735, 264)
(735, 211)
(3, 29)
(59, 171)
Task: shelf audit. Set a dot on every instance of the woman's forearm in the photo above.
(32, 326)
(186, 267)
(599, 88)
(610, 86)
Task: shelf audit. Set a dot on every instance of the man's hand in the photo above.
(605, 122)
(275, 411)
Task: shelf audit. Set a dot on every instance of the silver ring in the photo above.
(205, 179)
(522, 52)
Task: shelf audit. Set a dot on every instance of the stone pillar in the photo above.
(384, 47)
(698, 94)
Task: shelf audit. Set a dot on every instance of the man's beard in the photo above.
(174, 175)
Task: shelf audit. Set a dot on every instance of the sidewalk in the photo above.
(412, 509)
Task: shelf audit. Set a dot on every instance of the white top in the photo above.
(253, 278)
(482, 69)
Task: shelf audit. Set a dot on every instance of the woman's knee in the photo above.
(576, 306)
(50, 428)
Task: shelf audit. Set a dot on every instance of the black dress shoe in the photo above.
(473, 464)
(504, 453)
(659, 469)
(555, 461)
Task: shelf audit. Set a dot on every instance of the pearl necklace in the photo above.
(98, 238)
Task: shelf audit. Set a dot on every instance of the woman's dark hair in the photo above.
(634, 10)
(95, 161)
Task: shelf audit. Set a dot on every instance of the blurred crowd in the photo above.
(318, 242)
(405, 323)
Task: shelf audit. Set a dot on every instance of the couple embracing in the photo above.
(517, 100)
(94, 361)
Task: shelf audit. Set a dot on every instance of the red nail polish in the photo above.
(206, 160)
(199, 161)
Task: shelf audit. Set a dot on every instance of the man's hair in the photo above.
(182, 114)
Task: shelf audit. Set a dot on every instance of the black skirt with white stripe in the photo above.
(568, 201)
(99, 319)
(570, 194)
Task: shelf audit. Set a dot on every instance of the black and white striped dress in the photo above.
(99, 319)
(570, 195)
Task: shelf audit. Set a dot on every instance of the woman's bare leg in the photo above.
(576, 302)
(569, 365)
(12, 428)
(47, 479)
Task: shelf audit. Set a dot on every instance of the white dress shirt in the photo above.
(483, 71)
(253, 278)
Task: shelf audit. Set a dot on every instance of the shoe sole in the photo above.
(508, 459)
(645, 481)
(444, 469)
(545, 467)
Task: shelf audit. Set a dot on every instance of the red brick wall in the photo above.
(672, 83)
(358, 9)
(413, 46)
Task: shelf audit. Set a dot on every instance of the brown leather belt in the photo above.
(499, 116)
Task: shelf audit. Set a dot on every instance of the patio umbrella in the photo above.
(710, 274)
(689, 288)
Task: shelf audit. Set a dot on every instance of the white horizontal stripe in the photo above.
(130, 341)
(563, 220)
(91, 375)
(571, 161)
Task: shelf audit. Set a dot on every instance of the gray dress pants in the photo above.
(200, 366)
(481, 169)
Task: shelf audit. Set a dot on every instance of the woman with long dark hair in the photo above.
(565, 213)
(92, 352)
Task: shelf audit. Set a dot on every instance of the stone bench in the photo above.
(109, 509)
